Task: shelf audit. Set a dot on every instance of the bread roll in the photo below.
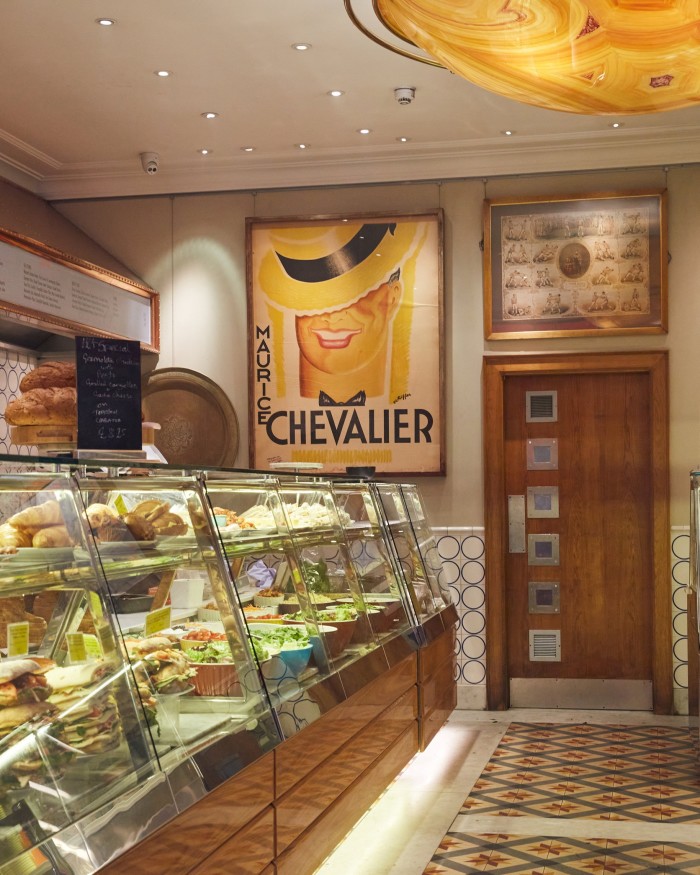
(36, 517)
(151, 509)
(53, 406)
(112, 529)
(52, 536)
(49, 374)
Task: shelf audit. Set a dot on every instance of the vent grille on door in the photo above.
(541, 407)
(545, 645)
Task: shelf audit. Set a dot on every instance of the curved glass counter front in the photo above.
(414, 548)
(387, 602)
(69, 707)
(180, 623)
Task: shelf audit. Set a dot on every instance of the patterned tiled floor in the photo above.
(600, 774)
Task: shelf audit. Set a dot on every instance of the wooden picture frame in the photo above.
(580, 265)
(52, 290)
(345, 351)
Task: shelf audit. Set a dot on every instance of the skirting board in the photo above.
(619, 695)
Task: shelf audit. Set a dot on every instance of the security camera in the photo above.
(404, 96)
(149, 162)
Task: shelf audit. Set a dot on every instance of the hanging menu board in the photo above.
(109, 393)
(37, 280)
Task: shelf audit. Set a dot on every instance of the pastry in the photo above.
(12, 537)
(98, 514)
(112, 529)
(52, 536)
(170, 524)
(49, 374)
(37, 516)
(151, 509)
(141, 528)
(52, 406)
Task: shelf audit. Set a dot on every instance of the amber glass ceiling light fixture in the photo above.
(598, 57)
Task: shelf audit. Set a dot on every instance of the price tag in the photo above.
(77, 652)
(18, 639)
(157, 620)
(92, 647)
(106, 638)
(95, 605)
(120, 505)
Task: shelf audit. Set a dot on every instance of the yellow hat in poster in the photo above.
(320, 267)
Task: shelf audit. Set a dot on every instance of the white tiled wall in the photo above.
(13, 366)
(463, 557)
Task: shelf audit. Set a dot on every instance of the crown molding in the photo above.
(521, 155)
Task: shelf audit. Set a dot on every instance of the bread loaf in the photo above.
(36, 517)
(52, 536)
(49, 374)
(54, 406)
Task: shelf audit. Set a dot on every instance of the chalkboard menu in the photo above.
(109, 393)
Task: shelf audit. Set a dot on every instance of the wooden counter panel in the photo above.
(321, 739)
(436, 653)
(309, 798)
(314, 845)
(435, 688)
(250, 850)
(433, 720)
(184, 842)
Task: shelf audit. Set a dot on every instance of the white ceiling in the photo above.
(80, 102)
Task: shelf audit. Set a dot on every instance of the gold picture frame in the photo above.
(581, 265)
(345, 353)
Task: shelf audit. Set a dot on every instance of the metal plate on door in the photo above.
(516, 524)
(543, 549)
(542, 501)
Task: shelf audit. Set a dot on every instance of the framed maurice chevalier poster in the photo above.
(345, 342)
(585, 265)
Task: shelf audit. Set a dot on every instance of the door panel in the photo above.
(605, 525)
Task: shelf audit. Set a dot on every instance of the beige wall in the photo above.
(192, 250)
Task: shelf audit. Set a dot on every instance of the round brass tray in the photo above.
(198, 424)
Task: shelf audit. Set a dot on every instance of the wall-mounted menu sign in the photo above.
(37, 280)
(108, 375)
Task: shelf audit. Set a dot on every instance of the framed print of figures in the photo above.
(345, 342)
(584, 265)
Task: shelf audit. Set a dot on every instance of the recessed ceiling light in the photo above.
(248, 148)
(616, 124)
(336, 93)
(302, 145)
(105, 22)
(163, 73)
(210, 115)
(364, 131)
(507, 133)
(205, 151)
(403, 139)
(301, 47)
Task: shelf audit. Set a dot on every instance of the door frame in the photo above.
(496, 368)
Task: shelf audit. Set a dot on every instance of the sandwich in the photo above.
(167, 668)
(87, 720)
(24, 703)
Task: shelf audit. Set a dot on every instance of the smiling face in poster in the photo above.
(345, 342)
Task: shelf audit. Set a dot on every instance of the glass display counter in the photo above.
(415, 550)
(69, 707)
(161, 629)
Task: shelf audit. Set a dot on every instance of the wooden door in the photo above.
(610, 482)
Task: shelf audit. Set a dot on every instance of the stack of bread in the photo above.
(41, 525)
(49, 397)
